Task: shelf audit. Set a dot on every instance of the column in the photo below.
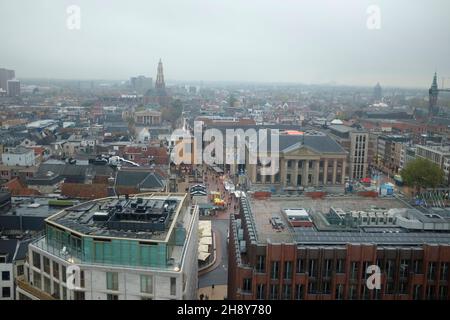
(233, 169)
(344, 164)
(316, 172)
(254, 173)
(295, 177)
(334, 171)
(283, 172)
(305, 173)
(325, 172)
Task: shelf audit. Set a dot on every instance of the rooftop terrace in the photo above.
(146, 216)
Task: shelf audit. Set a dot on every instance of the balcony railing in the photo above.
(35, 292)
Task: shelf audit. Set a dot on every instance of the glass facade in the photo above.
(108, 251)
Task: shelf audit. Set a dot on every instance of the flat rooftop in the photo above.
(323, 233)
(145, 216)
(31, 206)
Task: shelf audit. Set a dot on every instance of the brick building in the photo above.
(270, 259)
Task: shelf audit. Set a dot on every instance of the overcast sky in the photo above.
(308, 41)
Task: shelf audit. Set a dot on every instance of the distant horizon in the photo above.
(357, 43)
(232, 82)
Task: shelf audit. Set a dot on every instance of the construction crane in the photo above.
(433, 109)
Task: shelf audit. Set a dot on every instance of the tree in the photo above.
(232, 101)
(422, 173)
(172, 112)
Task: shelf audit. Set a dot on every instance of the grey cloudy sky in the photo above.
(309, 41)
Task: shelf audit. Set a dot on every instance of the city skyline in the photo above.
(270, 43)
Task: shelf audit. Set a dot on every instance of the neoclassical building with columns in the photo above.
(308, 159)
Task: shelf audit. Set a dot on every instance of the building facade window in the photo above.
(55, 270)
(418, 266)
(79, 295)
(47, 285)
(112, 281)
(288, 270)
(354, 270)
(37, 279)
(274, 292)
(444, 271)
(36, 260)
(300, 266)
(6, 276)
(260, 291)
(352, 292)
(340, 265)
(417, 292)
(431, 292)
(46, 265)
(261, 264)
(312, 268)
(147, 284)
(63, 273)
(339, 291)
(247, 285)
(443, 292)
(287, 292)
(112, 297)
(312, 287)
(55, 290)
(431, 271)
(326, 287)
(299, 292)
(275, 270)
(404, 268)
(6, 292)
(328, 267)
(173, 286)
(390, 267)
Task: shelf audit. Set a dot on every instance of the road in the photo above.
(219, 275)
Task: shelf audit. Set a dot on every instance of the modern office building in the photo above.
(13, 88)
(357, 143)
(142, 247)
(6, 75)
(270, 257)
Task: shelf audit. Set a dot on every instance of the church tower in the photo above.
(160, 84)
(432, 97)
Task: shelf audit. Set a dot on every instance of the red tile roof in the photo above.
(18, 188)
(84, 191)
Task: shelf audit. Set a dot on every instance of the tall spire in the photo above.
(433, 109)
(160, 84)
(434, 85)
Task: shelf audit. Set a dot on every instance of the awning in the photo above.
(205, 240)
(202, 256)
(204, 228)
